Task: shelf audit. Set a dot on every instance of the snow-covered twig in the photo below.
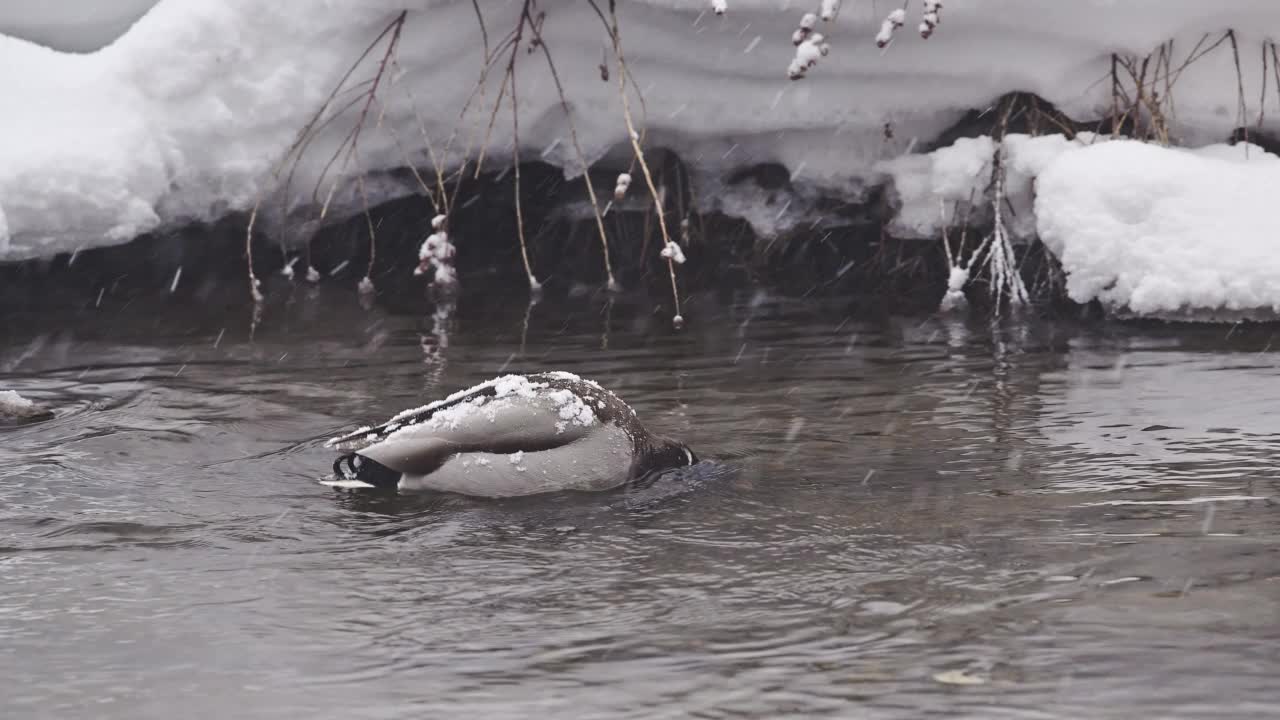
(812, 47)
(931, 19)
(1006, 280)
(509, 81)
(1002, 263)
(611, 30)
(534, 285)
(437, 253)
(673, 253)
(621, 187)
(804, 29)
(255, 287)
(892, 22)
(366, 283)
(958, 276)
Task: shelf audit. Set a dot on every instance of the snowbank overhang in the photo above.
(187, 116)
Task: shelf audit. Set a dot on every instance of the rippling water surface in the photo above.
(902, 518)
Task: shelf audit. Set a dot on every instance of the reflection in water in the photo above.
(435, 343)
(903, 517)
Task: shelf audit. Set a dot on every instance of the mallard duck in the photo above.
(514, 435)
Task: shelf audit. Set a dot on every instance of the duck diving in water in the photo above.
(511, 436)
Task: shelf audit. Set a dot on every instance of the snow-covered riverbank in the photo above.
(185, 116)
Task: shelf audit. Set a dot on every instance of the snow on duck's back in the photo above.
(15, 408)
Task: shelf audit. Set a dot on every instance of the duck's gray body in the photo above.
(512, 436)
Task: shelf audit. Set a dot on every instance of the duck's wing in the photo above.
(500, 426)
(501, 420)
(559, 386)
(596, 461)
(368, 435)
(571, 398)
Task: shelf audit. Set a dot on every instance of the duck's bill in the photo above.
(345, 483)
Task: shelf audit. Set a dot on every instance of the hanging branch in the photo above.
(1275, 69)
(477, 91)
(509, 80)
(672, 254)
(612, 284)
(319, 120)
(436, 205)
(1241, 109)
(1262, 97)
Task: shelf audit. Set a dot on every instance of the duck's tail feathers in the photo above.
(354, 470)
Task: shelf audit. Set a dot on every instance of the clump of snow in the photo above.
(954, 298)
(1162, 230)
(458, 409)
(437, 253)
(804, 29)
(503, 386)
(1145, 229)
(894, 20)
(449, 413)
(933, 191)
(948, 178)
(13, 405)
(515, 459)
(572, 410)
(517, 385)
(454, 416)
(573, 377)
(671, 251)
(808, 51)
(620, 188)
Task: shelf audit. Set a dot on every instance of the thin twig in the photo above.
(634, 136)
(534, 285)
(484, 34)
(1262, 97)
(577, 148)
(1241, 108)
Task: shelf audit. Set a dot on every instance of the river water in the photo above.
(900, 517)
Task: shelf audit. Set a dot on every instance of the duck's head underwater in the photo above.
(512, 436)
